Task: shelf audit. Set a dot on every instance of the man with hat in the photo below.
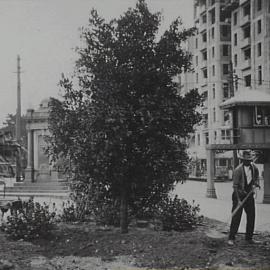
(245, 178)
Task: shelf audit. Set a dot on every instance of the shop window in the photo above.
(262, 116)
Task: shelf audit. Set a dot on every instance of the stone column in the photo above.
(266, 176)
(210, 157)
(29, 172)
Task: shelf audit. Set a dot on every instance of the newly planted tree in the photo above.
(123, 127)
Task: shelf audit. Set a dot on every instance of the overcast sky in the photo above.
(45, 32)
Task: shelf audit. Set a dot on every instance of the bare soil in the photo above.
(86, 246)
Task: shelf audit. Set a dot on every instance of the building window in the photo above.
(247, 53)
(259, 49)
(213, 16)
(198, 139)
(204, 18)
(204, 71)
(225, 69)
(225, 30)
(206, 138)
(235, 39)
(215, 135)
(259, 26)
(247, 80)
(204, 55)
(213, 71)
(214, 115)
(235, 18)
(246, 10)
(197, 60)
(197, 78)
(246, 31)
(226, 92)
(225, 134)
(226, 118)
(235, 60)
(196, 43)
(213, 52)
(261, 116)
(204, 37)
(259, 5)
(259, 75)
(213, 32)
(214, 91)
(225, 50)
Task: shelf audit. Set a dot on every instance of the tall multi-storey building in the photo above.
(212, 75)
(231, 50)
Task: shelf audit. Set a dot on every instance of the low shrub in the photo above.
(177, 214)
(32, 221)
(73, 212)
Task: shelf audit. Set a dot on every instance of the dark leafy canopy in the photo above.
(123, 128)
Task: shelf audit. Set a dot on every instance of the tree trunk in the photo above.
(124, 211)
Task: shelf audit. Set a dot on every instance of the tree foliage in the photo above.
(123, 126)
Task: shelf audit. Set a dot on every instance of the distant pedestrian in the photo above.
(245, 179)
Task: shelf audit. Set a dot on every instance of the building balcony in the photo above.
(245, 20)
(246, 64)
(245, 42)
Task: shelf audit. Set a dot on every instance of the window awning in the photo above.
(247, 97)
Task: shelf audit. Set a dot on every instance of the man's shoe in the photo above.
(230, 242)
(252, 242)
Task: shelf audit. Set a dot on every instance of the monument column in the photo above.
(210, 160)
(266, 176)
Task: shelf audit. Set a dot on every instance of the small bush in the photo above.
(32, 221)
(72, 212)
(177, 214)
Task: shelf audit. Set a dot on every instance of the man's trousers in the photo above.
(249, 207)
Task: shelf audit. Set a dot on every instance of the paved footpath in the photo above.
(220, 208)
